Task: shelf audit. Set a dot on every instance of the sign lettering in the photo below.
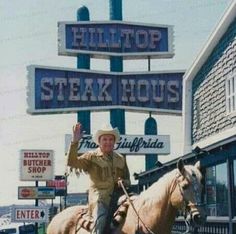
(57, 90)
(36, 165)
(29, 214)
(115, 38)
(129, 144)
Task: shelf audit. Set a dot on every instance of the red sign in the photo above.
(26, 192)
(59, 183)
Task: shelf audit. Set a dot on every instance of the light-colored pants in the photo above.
(100, 213)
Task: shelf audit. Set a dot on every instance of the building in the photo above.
(73, 199)
(209, 117)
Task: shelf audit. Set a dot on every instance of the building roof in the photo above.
(214, 38)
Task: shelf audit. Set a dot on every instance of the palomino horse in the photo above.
(154, 210)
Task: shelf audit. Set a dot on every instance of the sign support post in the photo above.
(149, 63)
(83, 61)
(117, 116)
(36, 204)
(150, 129)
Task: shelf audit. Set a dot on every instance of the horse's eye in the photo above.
(194, 175)
(185, 186)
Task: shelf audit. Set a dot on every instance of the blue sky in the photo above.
(29, 36)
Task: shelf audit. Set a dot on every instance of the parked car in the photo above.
(17, 228)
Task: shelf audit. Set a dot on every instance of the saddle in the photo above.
(85, 221)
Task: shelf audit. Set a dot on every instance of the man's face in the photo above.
(106, 143)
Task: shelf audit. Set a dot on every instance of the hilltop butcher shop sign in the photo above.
(115, 38)
(129, 144)
(55, 90)
(36, 165)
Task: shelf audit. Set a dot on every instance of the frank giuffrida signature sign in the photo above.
(129, 144)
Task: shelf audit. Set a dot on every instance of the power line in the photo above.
(41, 13)
(31, 35)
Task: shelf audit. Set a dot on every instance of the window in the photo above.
(8, 231)
(198, 121)
(29, 229)
(216, 190)
(230, 87)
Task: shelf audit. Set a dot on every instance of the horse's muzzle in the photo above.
(197, 215)
(198, 219)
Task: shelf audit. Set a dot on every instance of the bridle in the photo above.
(196, 191)
(188, 206)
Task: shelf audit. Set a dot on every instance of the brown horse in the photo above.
(154, 210)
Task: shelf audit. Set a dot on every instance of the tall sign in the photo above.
(55, 90)
(63, 90)
(115, 38)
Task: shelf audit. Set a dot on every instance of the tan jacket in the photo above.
(103, 170)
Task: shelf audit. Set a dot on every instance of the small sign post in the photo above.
(60, 185)
(35, 165)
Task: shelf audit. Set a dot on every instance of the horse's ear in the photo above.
(180, 166)
(198, 165)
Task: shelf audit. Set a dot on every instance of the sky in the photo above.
(29, 36)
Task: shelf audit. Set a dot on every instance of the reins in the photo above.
(132, 205)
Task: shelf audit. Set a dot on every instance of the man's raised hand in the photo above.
(77, 132)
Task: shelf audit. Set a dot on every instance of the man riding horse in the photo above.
(105, 168)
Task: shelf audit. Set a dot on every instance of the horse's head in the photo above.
(188, 190)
